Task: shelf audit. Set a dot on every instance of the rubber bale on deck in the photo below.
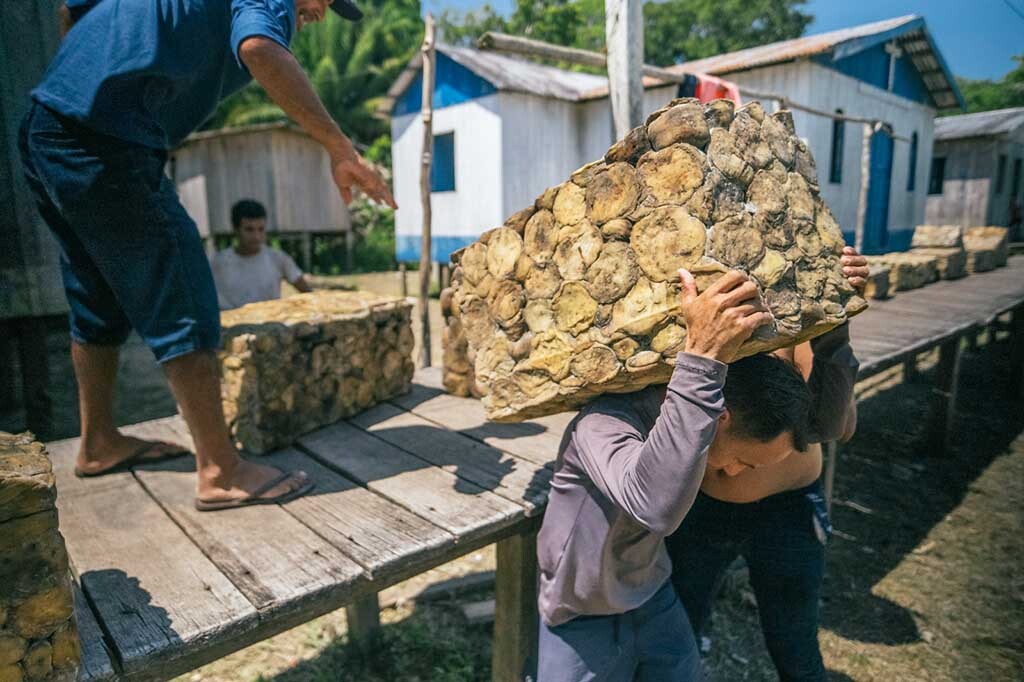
(908, 270)
(991, 238)
(296, 364)
(577, 295)
(38, 634)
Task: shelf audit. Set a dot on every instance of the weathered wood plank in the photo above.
(515, 613)
(382, 536)
(272, 557)
(162, 602)
(278, 563)
(460, 507)
(514, 479)
(96, 665)
(536, 440)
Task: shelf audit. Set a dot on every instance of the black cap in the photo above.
(347, 9)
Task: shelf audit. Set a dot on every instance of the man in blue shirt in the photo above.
(130, 81)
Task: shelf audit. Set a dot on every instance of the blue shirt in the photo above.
(151, 71)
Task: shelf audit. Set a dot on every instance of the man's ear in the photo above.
(725, 419)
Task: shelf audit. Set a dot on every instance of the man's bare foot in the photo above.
(248, 481)
(100, 456)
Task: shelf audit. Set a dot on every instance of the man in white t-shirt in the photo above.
(251, 271)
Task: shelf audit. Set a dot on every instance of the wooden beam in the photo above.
(429, 64)
(515, 616)
(527, 47)
(943, 402)
(624, 35)
(910, 374)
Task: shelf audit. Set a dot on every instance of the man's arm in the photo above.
(277, 70)
(655, 479)
(291, 272)
(833, 375)
(834, 367)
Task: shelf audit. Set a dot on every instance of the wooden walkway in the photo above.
(401, 488)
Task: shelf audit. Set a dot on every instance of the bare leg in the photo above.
(195, 382)
(102, 445)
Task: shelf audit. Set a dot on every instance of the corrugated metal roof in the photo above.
(984, 124)
(286, 126)
(504, 73)
(909, 31)
(519, 75)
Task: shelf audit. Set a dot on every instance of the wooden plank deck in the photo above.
(401, 488)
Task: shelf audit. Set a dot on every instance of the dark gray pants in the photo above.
(652, 643)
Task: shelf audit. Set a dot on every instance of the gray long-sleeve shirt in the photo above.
(628, 471)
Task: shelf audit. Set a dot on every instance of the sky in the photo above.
(976, 37)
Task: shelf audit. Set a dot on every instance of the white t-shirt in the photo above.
(247, 279)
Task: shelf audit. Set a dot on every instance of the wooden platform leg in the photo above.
(832, 453)
(910, 374)
(1017, 352)
(515, 614)
(363, 617)
(943, 403)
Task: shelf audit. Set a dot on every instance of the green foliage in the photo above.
(674, 30)
(678, 30)
(986, 95)
(351, 65)
(375, 237)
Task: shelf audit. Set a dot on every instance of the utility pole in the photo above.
(624, 35)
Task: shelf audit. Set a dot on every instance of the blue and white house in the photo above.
(505, 128)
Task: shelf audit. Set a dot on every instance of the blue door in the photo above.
(876, 220)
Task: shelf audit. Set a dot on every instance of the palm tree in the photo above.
(351, 65)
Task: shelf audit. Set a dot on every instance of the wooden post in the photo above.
(943, 402)
(832, 455)
(1017, 352)
(624, 36)
(515, 611)
(427, 51)
(404, 279)
(350, 247)
(865, 180)
(910, 370)
(307, 251)
(363, 616)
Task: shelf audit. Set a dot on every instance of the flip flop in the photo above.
(134, 459)
(254, 498)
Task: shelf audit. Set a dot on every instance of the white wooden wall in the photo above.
(823, 88)
(286, 171)
(476, 203)
(545, 140)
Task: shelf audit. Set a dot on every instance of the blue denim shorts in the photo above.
(131, 257)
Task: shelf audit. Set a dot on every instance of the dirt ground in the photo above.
(924, 580)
